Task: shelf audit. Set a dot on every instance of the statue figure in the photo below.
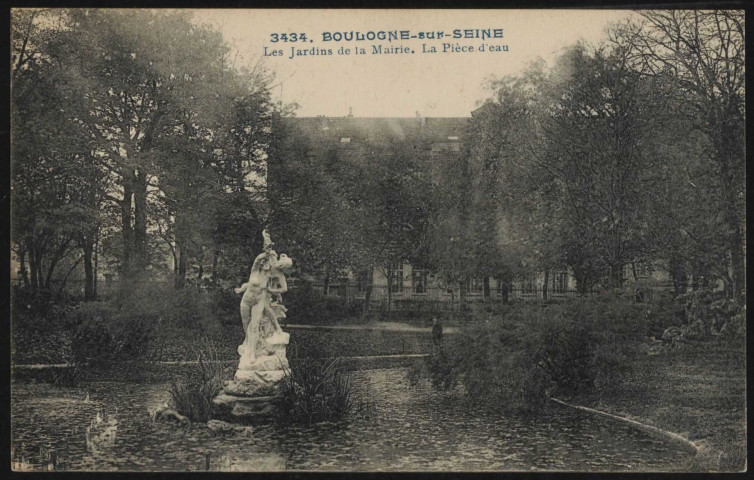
(267, 278)
(263, 364)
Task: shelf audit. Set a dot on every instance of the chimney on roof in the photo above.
(350, 112)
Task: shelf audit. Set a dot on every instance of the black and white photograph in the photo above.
(377, 240)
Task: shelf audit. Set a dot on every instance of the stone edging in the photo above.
(658, 432)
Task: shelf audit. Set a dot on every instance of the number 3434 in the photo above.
(287, 37)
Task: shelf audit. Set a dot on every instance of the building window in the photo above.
(396, 285)
(345, 140)
(559, 282)
(419, 281)
(643, 269)
(476, 286)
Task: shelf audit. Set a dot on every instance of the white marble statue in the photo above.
(258, 310)
(263, 364)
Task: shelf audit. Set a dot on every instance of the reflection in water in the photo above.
(410, 427)
(100, 434)
(270, 462)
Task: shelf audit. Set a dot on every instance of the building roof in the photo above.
(379, 128)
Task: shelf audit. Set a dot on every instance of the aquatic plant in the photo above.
(192, 392)
(316, 390)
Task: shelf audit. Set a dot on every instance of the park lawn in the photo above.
(698, 391)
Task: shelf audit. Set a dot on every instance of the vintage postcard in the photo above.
(378, 240)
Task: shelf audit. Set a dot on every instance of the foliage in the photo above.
(705, 52)
(712, 310)
(316, 391)
(191, 394)
(307, 306)
(129, 140)
(532, 352)
(132, 326)
(354, 209)
(625, 151)
(107, 336)
(662, 313)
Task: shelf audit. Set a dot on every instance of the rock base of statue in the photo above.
(253, 395)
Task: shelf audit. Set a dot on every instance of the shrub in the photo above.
(317, 390)
(225, 300)
(661, 314)
(191, 308)
(191, 394)
(712, 311)
(107, 336)
(516, 359)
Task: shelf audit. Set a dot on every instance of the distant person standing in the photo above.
(436, 333)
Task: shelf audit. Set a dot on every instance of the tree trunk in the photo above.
(65, 278)
(389, 291)
(88, 271)
(582, 281)
(616, 275)
(506, 292)
(463, 290)
(367, 299)
(140, 222)
(486, 287)
(96, 263)
(678, 274)
(545, 284)
(728, 152)
(23, 272)
(33, 269)
(38, 268)
(737, 260)
(215, 254)
(179, 270)
(127, 267)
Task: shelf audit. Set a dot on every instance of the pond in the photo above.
(410, 427)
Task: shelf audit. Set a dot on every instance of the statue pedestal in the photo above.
(251, 397)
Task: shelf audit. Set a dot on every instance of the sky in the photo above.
(399, 85)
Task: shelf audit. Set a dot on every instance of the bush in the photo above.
(316, 391)
(662, 313)
(712, 311)
(191, 394)
(135, 321)
(106, 336)
(515, 360)
(225, 300)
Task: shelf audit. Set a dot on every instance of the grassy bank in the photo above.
(43, 346)
(698, 391)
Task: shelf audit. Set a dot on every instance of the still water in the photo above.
(410, 427)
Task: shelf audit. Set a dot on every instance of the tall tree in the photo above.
(704, 50)
(57, 186)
